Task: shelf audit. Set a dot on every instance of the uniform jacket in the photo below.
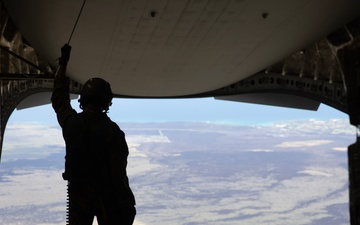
(96, 149)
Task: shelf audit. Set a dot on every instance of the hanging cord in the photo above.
(67, 205)
(68, 197)
(77, 20)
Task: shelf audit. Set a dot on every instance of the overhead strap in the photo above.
(77, 20)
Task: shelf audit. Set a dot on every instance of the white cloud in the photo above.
(32, 187)
(261, 150)
(315, 173)
(136, 222)
(147, 138)
(300, 144)
(34, 136)
(341, 149)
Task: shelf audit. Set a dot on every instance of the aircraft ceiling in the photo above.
(168, 48)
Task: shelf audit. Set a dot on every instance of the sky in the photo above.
(189, 110)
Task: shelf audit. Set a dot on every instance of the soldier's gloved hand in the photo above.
(65, 55)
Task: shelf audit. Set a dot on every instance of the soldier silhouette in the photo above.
(96, 153)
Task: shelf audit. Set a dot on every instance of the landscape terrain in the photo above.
(292, 172)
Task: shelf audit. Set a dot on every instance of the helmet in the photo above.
(97, 91)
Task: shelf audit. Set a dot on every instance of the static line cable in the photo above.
(77, 20)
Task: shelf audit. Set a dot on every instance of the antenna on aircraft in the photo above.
(77, 20)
